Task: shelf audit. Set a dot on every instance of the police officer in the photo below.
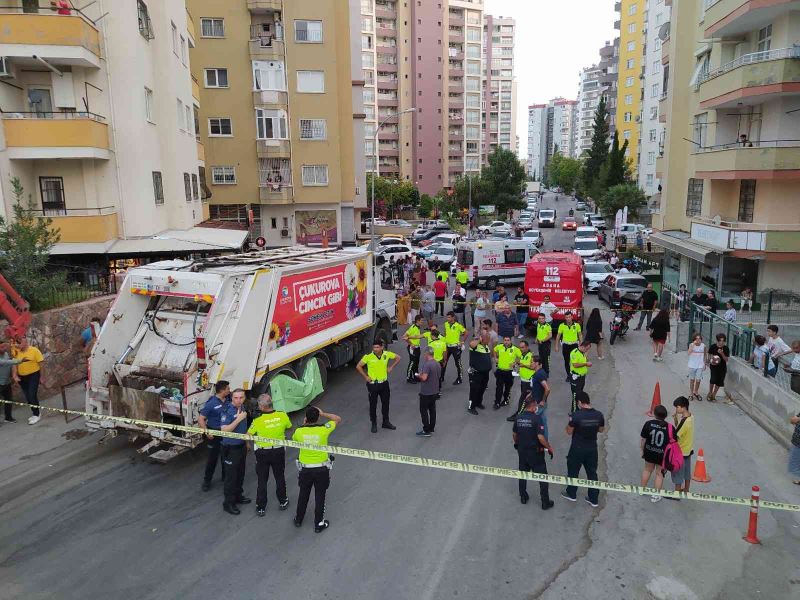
(506, 355)
(462, 277)
(379, 364)
(568, 335)
(526, 370)
(584, 425)
(437, 344)
(578, 367)
(314, 465)
(233, 418)
(531, 443)
(480, 365)
(413, 335)
(442, 274)
(209, 419)
(544, 335)
(454, 334)
(271, 424)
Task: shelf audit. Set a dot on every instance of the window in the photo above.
(183, 51)
(174, 39)
(220, 126)
(269, 76)
(148, 104)
(649, 180)
(196, 119)
(654, 91)
(651, 158)
(631, 46)
(145, 26)
(652, 135)
(657, 44)
(474, 51)
(747, 200)
(629, 99)
(53, 201)
(631, 27)
(626, 135)
(700, 130)
(195, 187)
(308, 31)
(181, 124)
(653, 112)
(473, 34)
(656, 67)
(366, 42)
(274, 173)
(631, 63)
(367, 60)
(187, 186)
(627, 117)
(366, 23)
(313, 129)
(629, 82)
(271, 124)
(212, 28)
(311, 82)
(158, 188)
(515, 256)
(694, 197)
(223, 175)
(189, 119)
(632, 9)
(764, 39)
(216, 78)
(315, 174)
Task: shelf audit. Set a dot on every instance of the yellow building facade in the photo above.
(631, 74)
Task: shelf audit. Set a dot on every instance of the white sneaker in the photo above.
(655, 498)
(519, 337)
(34, 419)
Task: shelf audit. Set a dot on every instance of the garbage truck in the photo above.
(274, 321)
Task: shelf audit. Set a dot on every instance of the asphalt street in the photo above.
(100, 521)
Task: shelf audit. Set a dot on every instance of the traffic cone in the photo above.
(700, 469)
(656, 399)
(752, 527)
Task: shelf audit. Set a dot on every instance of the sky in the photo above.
(555, 39)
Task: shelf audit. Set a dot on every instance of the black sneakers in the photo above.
(388, 425)
(547, 504)
(284, 504)
(231, 509)
(320, 527)
(472, 411)
(374, 428)
(523, 498)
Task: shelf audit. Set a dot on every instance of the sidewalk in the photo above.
(705, 556)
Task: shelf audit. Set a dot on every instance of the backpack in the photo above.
(673, 455)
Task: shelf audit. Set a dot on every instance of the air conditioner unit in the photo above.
(5, 67)
(284, 233)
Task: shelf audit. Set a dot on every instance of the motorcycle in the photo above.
(631, 264)
(620, 324)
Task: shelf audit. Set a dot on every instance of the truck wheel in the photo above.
(263, 386)
(491, 283)
(322, 363)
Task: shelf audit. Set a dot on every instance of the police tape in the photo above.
(434, 463)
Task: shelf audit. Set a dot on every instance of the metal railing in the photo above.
(743, 226)
(748, 145)
(55, 115)
(740, 339)
(709, 3)
(74, 212)
(47, 10)
(749, 59)
(266, 39)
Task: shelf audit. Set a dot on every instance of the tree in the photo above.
(25, 244)
(620, 196)
(597, 155)
(479, 191)
(425, 206)
(390, 194)
(565, 172)
(504, 177)
(617, 172)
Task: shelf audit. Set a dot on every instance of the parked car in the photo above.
(594, 273)
(569, 224)
(535, 235)
(586, 248)
(426, 252)
(445, 254)
(581, 206)
(617, 286)
(398, 223)
(396, 250)
(495, 227)
(447, 238)
(587, 217)
(598, 222)
(424, 239)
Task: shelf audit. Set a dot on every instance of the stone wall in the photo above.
(57, 333)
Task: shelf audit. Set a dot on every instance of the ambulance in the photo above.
(492, 262)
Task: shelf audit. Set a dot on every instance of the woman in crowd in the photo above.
(594, 331)
(718, 356)
(696, 365)
(659, 333)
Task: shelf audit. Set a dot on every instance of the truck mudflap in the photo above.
(290, 394)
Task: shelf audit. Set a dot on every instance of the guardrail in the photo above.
(749, 59)
(41, 114)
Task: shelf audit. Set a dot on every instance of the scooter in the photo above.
(619, 324)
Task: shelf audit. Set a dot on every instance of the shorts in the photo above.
(696, 374)
(683, 474)
(653, 457)
(718, 377)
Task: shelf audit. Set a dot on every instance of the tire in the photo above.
(322, 363)
(263, 386)
(612, 338)
(491, 283)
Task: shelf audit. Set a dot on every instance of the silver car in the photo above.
(622, 286)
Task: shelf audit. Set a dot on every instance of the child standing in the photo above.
(697, 364)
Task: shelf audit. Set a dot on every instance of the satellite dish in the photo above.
(716, 220)
(663, 31)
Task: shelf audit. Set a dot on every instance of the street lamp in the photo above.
(375, 172)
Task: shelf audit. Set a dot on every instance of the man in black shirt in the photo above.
(585, 424)
(480, 366)
(699, 298)
(530, 442)
(646, 305)
(522, 301)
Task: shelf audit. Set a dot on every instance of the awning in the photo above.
(681, 243)
(196, 239)
(66, 248)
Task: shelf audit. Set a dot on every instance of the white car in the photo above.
(399, 223)
(495, 227)
(397, 250)
(378, 221)
(594, 273)
(586, 232)
(535, 235)
(445, 254)
(446, 238)
(598, 221)
(586, 248)
(547, 217)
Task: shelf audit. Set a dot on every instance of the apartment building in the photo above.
(551, 127)
(630, 90)
(609, 65)
(499, 114)
(102, 144)
(590, 90)
(282, 116)
(424, 56)
(728, 214)
(651, 130)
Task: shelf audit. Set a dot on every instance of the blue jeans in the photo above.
(522, 318)
(542, 412)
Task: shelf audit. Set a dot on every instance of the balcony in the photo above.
(60, 39)
(383, 134)
(261, 6)
(387, 32)
(386, 84)
(270, 99)
(387, 102)
(455, 153)
(386, 49)
(455, 136)
(453, 72)
(275, 193)
(764, 159)
(751, 79)
(87, 225)
(665, 51)
(388, 152)
(753, 237)
(456, 36)
(264, 46)
(43, 135)
(386, 68)
(456, 166)
(385, 13)
(728, 18)
(456, 103)
(456, 20)
(273, 149)
(201, 152)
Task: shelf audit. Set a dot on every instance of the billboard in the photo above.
(486, 209)
(315, 301)
(312, 225)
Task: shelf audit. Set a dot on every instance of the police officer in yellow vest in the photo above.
(413, 335)
(462, 277)
(454, 334)
(271, 424)
(314, 465)
(379, 364)
(437, 344)
(480, 365)
(544, 335)
(569, 332)
(507, 355)
(526, 371)
(578, 367)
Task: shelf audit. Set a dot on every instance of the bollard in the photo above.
(752, 527)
